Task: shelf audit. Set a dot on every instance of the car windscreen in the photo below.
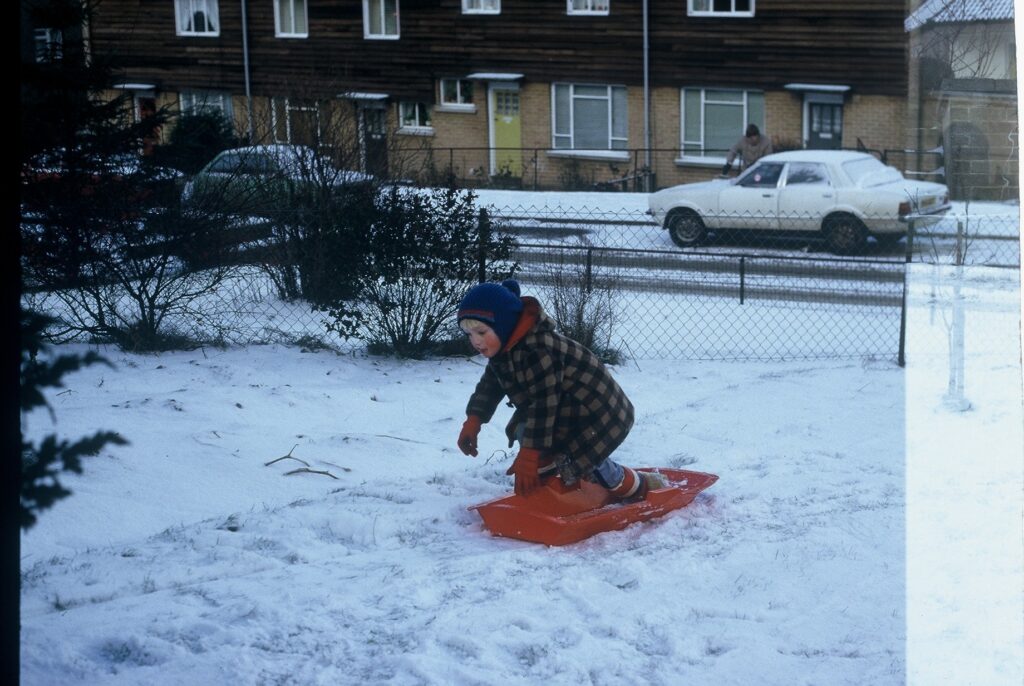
(868, 171)
(225, 164)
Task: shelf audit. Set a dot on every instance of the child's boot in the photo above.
(653, 481)
(632, 487)
(635, 485)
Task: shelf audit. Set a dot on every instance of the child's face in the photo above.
(481, 337)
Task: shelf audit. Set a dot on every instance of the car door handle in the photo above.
(826, 195)
(767, 195)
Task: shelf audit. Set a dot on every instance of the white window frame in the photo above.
(185, 11)
(49, 45)
(381, 9)
(693, 9)
(460, 104)
(294, 13)
(286, 107)
(611, 150)
(594, 8)
(195, 102)
(423, 124)
(481, 6)
(699, 157)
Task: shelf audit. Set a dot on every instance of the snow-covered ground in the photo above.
(866, 527)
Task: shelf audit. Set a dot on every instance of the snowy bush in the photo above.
(425, 248)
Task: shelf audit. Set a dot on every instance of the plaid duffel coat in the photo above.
(570, 407)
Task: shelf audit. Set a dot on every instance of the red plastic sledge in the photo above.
(556, 515)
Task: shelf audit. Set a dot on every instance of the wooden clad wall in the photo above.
(859, 43)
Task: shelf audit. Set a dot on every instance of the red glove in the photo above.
(467, 437)
(525, 469)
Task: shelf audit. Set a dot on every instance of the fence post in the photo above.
(484, 238)
(901, 355)
(636, 171)
(910, 241)
(590, 270)
(960, 247)
(743, 279)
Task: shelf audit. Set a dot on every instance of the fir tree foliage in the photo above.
(195, 140)
(43, 462)
(102, 230)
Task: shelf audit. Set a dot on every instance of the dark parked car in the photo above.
(264, 179)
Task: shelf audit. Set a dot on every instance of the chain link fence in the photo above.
(754, 295)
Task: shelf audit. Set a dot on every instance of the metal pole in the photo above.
(245, 65)
(647, 99)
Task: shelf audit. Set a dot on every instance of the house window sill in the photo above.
(709, 162)
(456, 109)
(416, 131)
(604, 155)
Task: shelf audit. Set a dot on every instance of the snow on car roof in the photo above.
(832, 156)
(279, 151)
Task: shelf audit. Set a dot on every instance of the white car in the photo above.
(841, 196)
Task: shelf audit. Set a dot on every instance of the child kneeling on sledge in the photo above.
(570, 413)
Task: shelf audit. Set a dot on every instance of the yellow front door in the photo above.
(507, 157)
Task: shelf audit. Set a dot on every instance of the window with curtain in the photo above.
(456, 92)
(714, 119)
(198, 102)
(380, 18)
(481, 6)
(721, 8)
(49, 45)
(588, 6)
(197, 17)
(290, 20)
(589, 117)
(414, 115)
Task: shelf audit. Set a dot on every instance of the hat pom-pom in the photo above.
(512, 285)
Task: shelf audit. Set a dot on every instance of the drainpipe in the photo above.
(245, 63)
(647, 99)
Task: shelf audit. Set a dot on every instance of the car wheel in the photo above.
(685, 228)
(845, 234)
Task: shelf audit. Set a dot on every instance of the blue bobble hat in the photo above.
(497, 305)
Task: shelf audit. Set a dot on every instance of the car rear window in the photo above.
(868, 171)
(806, 173)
